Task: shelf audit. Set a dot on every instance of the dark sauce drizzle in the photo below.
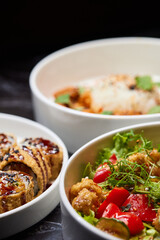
(29, 151)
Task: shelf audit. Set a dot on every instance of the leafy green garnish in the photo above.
(154, 190)
(64, 99)
(128, 143)
(91, 218)
(126, 174)
(81, 90)
(124, 144)
(151, 231)
(107, 113)
(144, 82)
(157, 84)
(148, 233)
(88, 171)
(103, 155)
(155, 109)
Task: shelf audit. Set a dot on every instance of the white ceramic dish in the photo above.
(86, 61)
(25, 216)
(72, 223)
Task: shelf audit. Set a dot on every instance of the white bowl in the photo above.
(73, 225)
(85, 61)
(25, 216)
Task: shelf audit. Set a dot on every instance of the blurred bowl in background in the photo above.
(85, 61)
(72, 222)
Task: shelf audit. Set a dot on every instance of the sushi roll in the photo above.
(6, 142)
(49, 151)
(25, 160)
(38, 157)
(16, 189)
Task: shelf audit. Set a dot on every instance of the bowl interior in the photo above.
(97, 58)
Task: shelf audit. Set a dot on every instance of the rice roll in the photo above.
(51, 153)
(16, 189)
(6, 142)
(25, 160)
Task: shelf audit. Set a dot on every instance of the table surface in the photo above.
(15, 98)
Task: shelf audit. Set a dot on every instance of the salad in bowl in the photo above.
(120, 192)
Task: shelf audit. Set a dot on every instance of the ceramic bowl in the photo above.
(85, 61)
(20, 218)
(73, 225)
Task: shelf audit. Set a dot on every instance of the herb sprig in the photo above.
(144, 82)
(126, 173)
(124, 144)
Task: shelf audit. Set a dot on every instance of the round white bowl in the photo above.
(74, 226)
(20, 218)
(85, 61)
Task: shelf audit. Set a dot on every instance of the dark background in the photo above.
(30, 30)
(33, 28)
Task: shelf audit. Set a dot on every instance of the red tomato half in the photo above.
(140, 206)
(116, 196)
(113, 158)
(103, 171)
(104, 165)
(133, 222)
(110, 210)
(101, 175)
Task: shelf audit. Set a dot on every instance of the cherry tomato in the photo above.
(110, 210)
(104, 165)
(103, 171)
(113, 158)
(116, 196)
(140, 206)
(133, 222)
(101, 175)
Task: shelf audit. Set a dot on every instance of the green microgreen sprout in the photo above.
(63, 99)
(107, 113)
(144, 82)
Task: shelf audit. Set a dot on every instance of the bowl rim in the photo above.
(78, 47)
(62, 192)
(55, 183)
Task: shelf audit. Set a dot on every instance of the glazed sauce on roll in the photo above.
(11, 183)
(47, 146)
(16, 189)
(27, 169)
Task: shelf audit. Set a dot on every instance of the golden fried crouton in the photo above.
(140, 158)
(156, 222)
(86, 195)
(154, 155)
(85, 201)
(150, 160)
(88, 184)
